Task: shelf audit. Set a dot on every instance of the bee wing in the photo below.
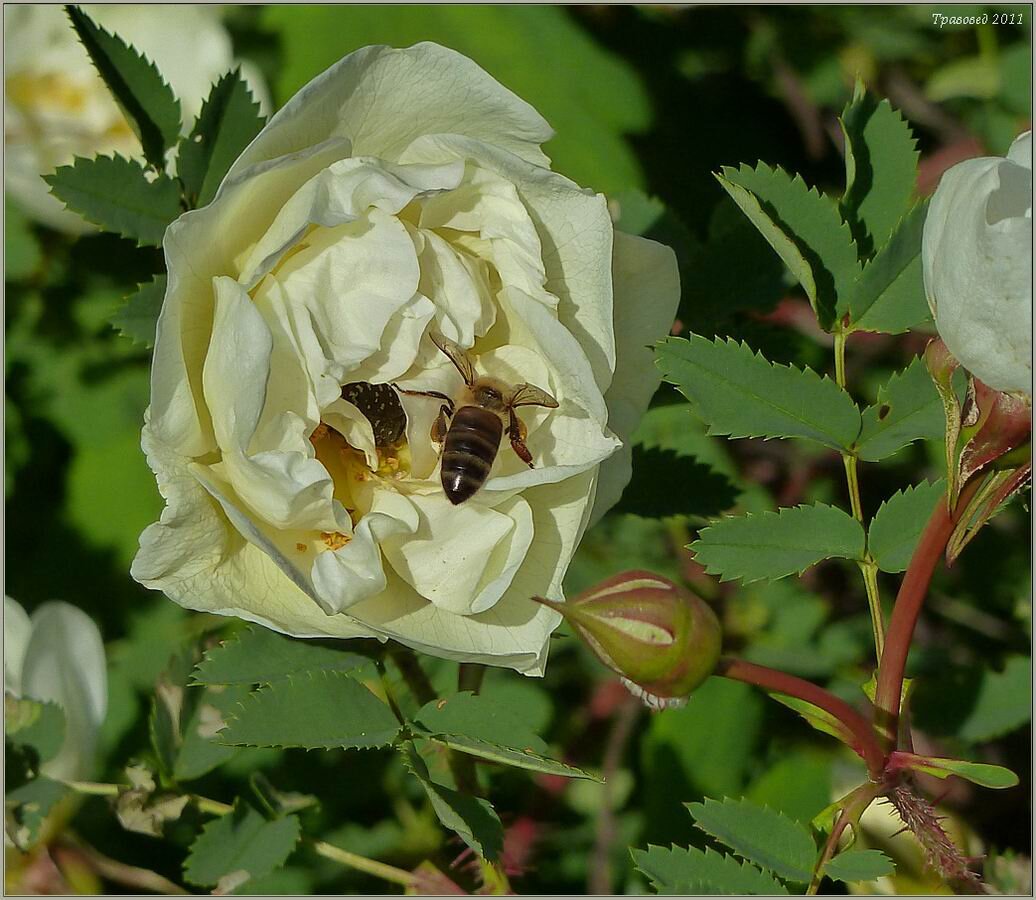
(458, 356)
(530, 395)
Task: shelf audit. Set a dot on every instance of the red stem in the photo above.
(909, 600)
(865, 741)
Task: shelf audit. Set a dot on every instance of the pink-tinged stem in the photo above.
(865, 741)
(912, 592)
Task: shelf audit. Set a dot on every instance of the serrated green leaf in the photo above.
(507, 756)
(820, 719)
(665, 483)
(240, 841)
(472, 818)
(908, 409)
(319, 709)
(766, 838)
(35, 724)
(859, 865)
(983, 774)
(169, 708)
(799, 783)
(27, 806)
(671, 870)
(771, 545)
(137, 318)
(889, 295)
(806, 230)
(479, 717)
(897, 525)
(741, 394)
(148, 102)
(228, 121)
(257, 655)
(113, 192)
(199, 750)
(880, 169)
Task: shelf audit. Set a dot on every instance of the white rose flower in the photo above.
(977, 258)
(58, 655)
(401, 194)
(56, 106)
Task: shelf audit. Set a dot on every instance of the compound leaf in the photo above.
(26, 808)
(806, 230)
(908, 409)
(241, 843)
(200, 751)
(889, 295)
(741, 394)
(672, 870)
(859, 865)
(257, 655)
(137, 318)
(228, 121)
(983, 774)
(880, 168)
(771, 545)
(35, 724)
(896, 527)
(767, 838)
(472, 818)
(508, 756)
(319, 709)
(114, 193)
(148, 102)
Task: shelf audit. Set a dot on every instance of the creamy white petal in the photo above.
(381, 99)
(64, 663)
(17, 630)
(647, 292)
(355, 572)
(1021, 150)
(575, 233)
(462, 558)
(342, 193)
(977, 264)
(198, 246)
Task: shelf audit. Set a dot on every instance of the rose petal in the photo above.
(64, 663)
(381, 99)
(647, 292)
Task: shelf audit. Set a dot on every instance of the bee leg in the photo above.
(516, 432)
(435, 395)
(441, 424)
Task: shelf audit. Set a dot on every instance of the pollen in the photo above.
(334, 540)
(301, 547)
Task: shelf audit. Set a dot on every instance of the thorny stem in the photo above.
(866, 743)
(868, 567)
(216, 808)
(855, 806)
(909, 600)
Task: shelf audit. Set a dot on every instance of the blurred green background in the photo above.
(648, 99)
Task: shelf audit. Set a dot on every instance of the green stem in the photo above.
(855, 806)
(216, 808)
(865, 741)
(912, 592)
(868, 567)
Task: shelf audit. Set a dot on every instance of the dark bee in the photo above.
(471, 428)
(380, 404)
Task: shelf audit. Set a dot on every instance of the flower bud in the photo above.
(662, 639)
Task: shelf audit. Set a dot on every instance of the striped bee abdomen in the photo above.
(471, 446)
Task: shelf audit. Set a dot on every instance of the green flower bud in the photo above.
(662, 639)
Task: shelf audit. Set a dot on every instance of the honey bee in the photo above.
(379, 403)
(470, 430)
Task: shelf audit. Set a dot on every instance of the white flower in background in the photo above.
(400, 194)
(56, 106)
(977, 258)
(58, 655)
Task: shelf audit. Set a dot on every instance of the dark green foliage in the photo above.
(859, 865)
(148, 102)
(116, 194)
(228, 121)
(898, 523)
(908, 409)
(688, 870)
(665, 483)
(137, 318)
